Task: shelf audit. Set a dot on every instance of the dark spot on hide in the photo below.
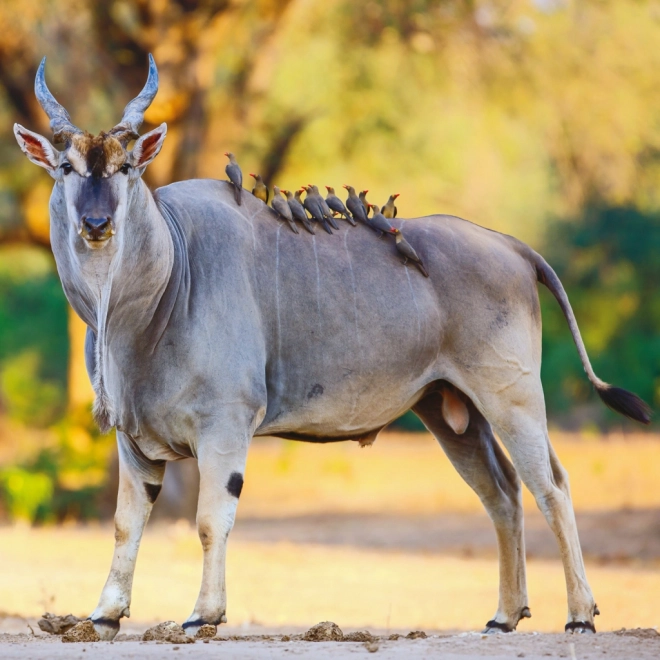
(235, 484)
(317, 390)
(152, 490)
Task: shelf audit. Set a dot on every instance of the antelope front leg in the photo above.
(221, 480)
(140, 481)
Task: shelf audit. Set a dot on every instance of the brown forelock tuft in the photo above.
(102, 155)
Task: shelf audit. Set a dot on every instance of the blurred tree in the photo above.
(506, 113)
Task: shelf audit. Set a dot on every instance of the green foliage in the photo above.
(33, 336)
(25, 492)
(26, 395)
(64, 479)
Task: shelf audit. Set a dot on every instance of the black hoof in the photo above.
(580, 628)
(493, 627)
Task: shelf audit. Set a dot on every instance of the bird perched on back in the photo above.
(298, 210)
(235, 175)
(327, 211)
(379, 223)
(407, 251)
(365, 203)
(389, 210)
(337, 205)
(313, 204)
(354, 205)
(260, 189)
(282, 209)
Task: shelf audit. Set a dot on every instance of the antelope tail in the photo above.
(620, 400)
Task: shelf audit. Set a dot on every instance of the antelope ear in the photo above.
(37, 148)
(147, 147)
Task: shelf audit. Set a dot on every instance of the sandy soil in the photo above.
(632, 644)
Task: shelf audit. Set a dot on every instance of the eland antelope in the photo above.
(210, 324)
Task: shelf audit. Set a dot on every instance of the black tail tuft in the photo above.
(625, 402)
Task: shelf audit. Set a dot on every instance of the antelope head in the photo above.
(95, 174)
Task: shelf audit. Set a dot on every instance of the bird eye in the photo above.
(66, 168)
(124, 168)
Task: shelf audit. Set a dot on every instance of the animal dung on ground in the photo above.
(168, 631)
(416, 634)
(326, 631)
(57, 625)
(358, 636)
(83, 631)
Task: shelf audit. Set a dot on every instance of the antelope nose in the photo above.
(96, 229)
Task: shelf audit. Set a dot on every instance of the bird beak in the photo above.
(226, 153)
(345, 187)
(327, 188)
(253, 175)
(395, 196)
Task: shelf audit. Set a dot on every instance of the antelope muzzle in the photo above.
(96, 229)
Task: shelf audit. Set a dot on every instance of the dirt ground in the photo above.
(642, 644)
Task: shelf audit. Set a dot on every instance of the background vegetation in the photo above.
(539, 118)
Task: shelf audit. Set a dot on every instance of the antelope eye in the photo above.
(124, 168)
(66, 168)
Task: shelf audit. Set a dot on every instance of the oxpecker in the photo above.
(337, 205)
(390, 210)
(282, 209)
(379, 223)
(315, 208)
(407, 251)
(365, 203)
(235, 175)
(355, 206)
(260, 189)
(298, 210)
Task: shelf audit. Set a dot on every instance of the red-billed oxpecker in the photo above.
(354, 205)
(378, 222)
(313, 204)
(282, 209)
(389, 210)
(337, 206)
(235, 176)
(298, 210)
(260, 190)
(365, 203)
(407, 251)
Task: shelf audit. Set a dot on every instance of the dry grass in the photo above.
(408, 473)
(298, 585)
